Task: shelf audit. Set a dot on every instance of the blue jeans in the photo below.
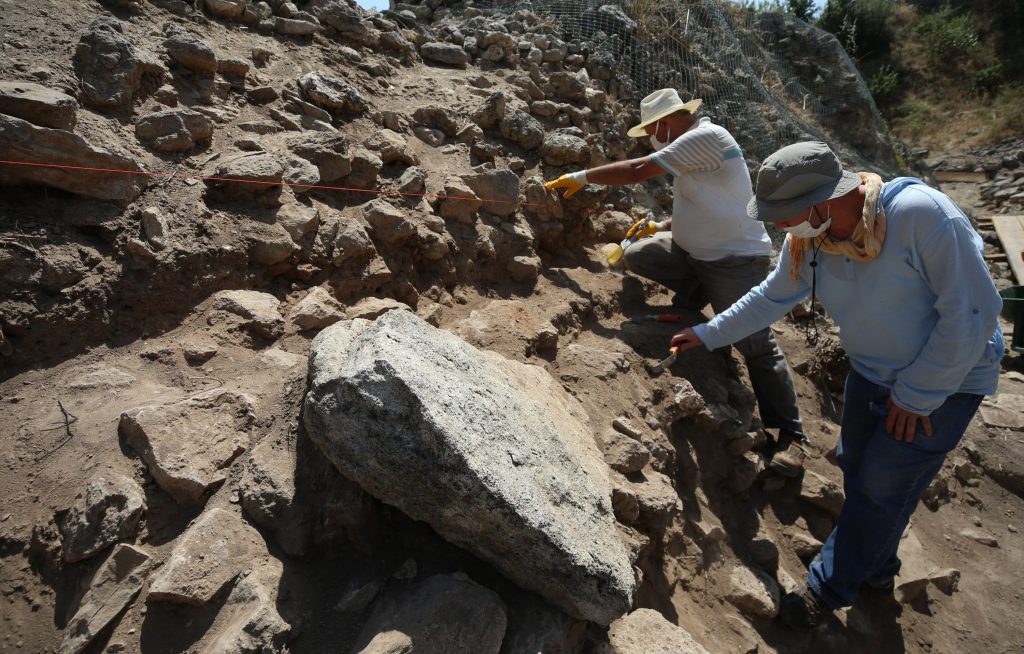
(884, 479)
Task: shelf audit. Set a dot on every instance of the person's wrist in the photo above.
(579, 177)
(664, 225)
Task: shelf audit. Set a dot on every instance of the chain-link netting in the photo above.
(770, 79)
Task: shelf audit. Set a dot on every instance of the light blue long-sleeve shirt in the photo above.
(920, 319)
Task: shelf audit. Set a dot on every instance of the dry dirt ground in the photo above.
(59, 428)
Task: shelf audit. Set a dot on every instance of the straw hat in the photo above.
(659, 104)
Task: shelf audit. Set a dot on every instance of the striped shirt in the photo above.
(711, 189)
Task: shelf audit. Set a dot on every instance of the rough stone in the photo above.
(328, 152)
(155, 227)
(174, 130)
(214, 550)
(298, 219)
(387, 222)
(267, 492)
(108, 512)
(372, 308)
(226, 8)
(1002, 459)
(38, 105)
(296, 27)
(269, 245)
(822, 493)
(300, 175)
(645, 631)
(190, 51)
(413, 180)
(460, 203)
(246, 176)
(443, 613)
(20, 140)
(444, 53)
(188, 445)
(522, 128)
(491, 111)
(980, 537)
(624, 454)
(437, 117)
(331, 93)
(499, 189)
(753, 592)
(249, 621)
(258, 311)
(1003, 410)
(113, 587)
(366, 166)
(317, 310)
(109, 65)
(563, 147)
(392, 147)
(511, 442)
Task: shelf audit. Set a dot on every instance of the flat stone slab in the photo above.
(114, 586)
(492, 453)
(217, 547)
(188, 445)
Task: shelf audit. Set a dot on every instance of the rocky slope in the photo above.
(298, 355)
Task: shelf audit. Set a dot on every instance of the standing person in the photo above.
(900, 270)
(714, 252)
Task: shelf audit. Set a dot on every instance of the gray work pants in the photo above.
(721, 283)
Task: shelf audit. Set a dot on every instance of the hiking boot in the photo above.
(803, 610)
(788, 459)
(881, 586)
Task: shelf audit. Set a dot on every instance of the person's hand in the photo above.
(572, 183)
(686, 340)
(902, 424)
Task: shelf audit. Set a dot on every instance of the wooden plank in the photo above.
(1010, 230)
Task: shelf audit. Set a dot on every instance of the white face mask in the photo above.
(804, 229)
(657, 143)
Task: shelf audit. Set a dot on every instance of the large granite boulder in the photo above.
(493, 454)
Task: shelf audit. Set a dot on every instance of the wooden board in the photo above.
(1010, 230)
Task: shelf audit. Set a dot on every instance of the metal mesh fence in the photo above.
(770, 79)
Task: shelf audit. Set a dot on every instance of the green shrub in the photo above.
(948, 36)
(1007, 113)
(884, 84)
(915, 117)
(863, 27)
(987, 80)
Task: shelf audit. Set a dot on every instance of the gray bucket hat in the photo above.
(797, 177)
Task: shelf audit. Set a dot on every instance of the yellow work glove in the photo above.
(571, 183)
(641, 229)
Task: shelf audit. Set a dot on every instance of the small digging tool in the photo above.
(657, 317)
(666, 362)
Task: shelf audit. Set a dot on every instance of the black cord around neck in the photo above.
(813, 337)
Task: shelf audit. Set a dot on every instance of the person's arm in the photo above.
(950, 261)
(631, 171)
(760, 307)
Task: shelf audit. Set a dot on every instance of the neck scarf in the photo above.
(863, 245)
